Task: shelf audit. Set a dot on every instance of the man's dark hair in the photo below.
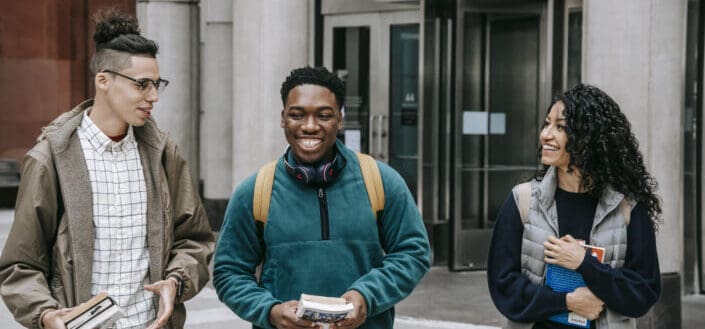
(117, 38)
(315, 76)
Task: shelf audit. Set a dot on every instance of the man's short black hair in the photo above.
(315, 76)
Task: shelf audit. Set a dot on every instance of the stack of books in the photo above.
(561, 279)
(323, 310)
(101, 311)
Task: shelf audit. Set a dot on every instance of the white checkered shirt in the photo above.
(120, 254)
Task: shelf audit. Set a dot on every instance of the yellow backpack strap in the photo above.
(263, 191)
(373, 182)
(626, 209)
(522, 198)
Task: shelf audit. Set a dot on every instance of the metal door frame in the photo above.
(569, 7)
(700, 149)
(545, 12)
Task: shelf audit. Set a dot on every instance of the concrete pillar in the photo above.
(173, 24)
(216, 142)
(635, 51)
(270, 38)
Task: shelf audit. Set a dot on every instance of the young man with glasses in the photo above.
(107, 203)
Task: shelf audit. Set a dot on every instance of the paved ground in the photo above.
(421, 311)
(443, 300)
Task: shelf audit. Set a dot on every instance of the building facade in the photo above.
(451, 93)
(448, 91)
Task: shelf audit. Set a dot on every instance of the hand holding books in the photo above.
(347, 311)
(564, 256)
(358, 315)
(98, 312)
(53, 319)
(323, 310)
(583, 301)
(284, 316)
(566, 252)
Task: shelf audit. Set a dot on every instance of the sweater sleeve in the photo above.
(236, 258)
(407, 249)
(632, 289)
(512, 293)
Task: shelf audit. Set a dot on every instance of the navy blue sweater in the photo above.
(630, 290)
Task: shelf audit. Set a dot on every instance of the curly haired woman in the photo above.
(593, 188)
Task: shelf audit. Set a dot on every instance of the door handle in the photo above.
(382, 137)
(373, 136)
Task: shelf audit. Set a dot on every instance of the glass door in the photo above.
(377, 55)
(403, 102)
(500, 95)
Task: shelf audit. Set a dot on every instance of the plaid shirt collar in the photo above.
(102, 142)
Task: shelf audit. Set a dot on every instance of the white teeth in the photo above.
(549, 147)
(310, 142)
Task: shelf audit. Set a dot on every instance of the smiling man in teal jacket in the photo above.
(321, 236)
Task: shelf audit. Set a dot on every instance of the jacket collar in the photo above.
(60, 130)
(344, 151)
(608, 201)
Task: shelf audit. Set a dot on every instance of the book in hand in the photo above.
(561, 279)
(323, 309)
(101, 311)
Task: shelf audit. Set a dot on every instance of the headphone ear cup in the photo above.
(299, 173)
(324, 172)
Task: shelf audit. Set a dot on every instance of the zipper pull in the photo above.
(320, 193)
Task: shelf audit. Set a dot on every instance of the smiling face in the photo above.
(554, 139)
(128, 104)
(311, 119)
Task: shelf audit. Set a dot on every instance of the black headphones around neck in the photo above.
(312, 175)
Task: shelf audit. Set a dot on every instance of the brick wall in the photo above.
(45, 46)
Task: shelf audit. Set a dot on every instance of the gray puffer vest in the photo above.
(609, 230)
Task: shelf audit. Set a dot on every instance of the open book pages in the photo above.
(323, 309)
(101, 311)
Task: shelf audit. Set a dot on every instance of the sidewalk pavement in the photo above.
(443, 300)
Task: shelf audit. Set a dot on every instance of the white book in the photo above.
(323, 309)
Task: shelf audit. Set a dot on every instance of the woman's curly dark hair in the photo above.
(603, 148)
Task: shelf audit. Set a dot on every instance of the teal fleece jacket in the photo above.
(297, 260)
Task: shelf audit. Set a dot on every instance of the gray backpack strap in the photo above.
(625, 208)
(522, 198)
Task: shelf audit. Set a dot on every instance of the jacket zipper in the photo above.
(323, 203)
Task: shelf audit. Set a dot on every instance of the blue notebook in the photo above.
(561, 279)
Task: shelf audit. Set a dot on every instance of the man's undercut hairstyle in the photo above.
(117, 38)
(314, 76)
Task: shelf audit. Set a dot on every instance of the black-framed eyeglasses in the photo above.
(144, 83)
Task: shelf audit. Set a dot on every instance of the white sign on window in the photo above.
(352, 139)
(498, 125)
(474, 123)
(483, 123)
